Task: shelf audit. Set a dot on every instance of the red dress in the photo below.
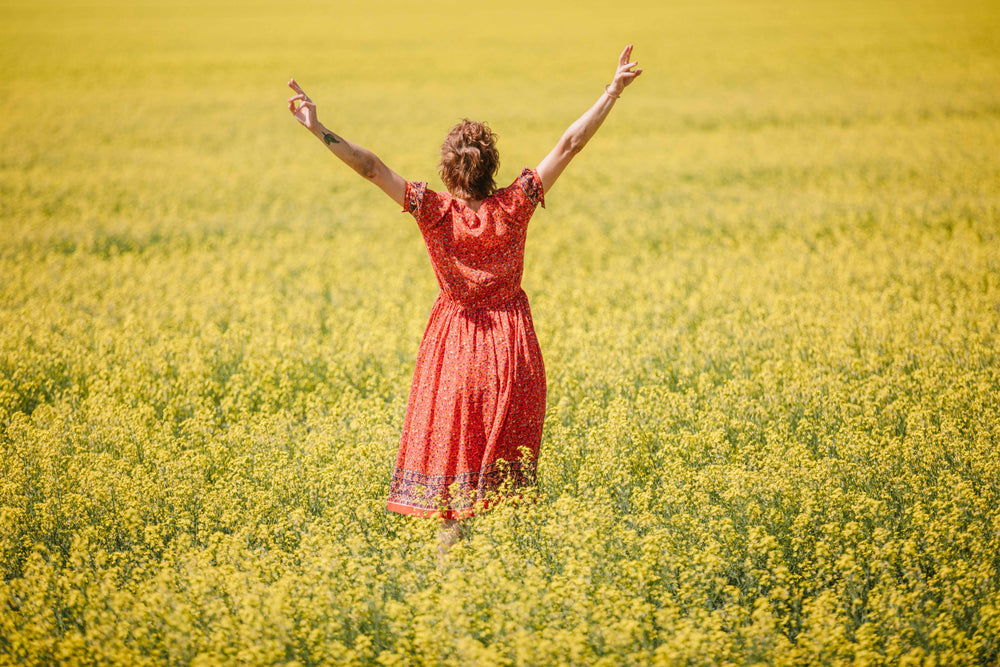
(477, 401)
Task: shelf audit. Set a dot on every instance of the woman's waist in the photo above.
(509, 298)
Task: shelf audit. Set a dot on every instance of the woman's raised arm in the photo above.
(579, 133)
(359, 159)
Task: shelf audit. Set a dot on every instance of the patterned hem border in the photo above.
(427, 513)
(466, 513)
(447, 495)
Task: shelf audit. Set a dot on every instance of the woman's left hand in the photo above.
(305, 111)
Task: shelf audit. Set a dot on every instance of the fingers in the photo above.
(626, 71)
(626, 54)
(627, 67)
(303, 108)
(305, 103)
(629, 77)
(301, 94)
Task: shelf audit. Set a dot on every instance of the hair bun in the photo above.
(469, 160)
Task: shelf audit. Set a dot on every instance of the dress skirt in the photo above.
(475, 412)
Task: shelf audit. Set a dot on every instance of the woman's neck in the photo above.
(471, 204)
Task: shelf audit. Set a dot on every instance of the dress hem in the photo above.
(466, 513)
(425, 513)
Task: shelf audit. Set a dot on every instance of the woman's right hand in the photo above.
(305, 111)
(625, 74)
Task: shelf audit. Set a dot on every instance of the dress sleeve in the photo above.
(531, 183)
(428, 207)
(414, 196)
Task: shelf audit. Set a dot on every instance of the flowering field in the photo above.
(768, 296)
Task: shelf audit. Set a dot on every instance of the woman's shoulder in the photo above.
(519, 199)
(527, 186)
(426, 205)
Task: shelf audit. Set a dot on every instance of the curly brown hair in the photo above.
(469, 160)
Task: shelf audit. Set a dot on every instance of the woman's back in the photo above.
(478, 256)
(477, 401)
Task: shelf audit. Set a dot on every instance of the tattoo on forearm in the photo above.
(329, 139)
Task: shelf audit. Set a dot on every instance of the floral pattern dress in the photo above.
(477, 401)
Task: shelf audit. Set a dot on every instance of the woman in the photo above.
(477, 401)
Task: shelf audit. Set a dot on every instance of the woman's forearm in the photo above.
(363, 161)
(574, 139)
(583, 128)
(358, 158)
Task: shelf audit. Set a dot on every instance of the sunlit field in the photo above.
(767, 293)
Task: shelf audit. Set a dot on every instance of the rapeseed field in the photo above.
(768, 296)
